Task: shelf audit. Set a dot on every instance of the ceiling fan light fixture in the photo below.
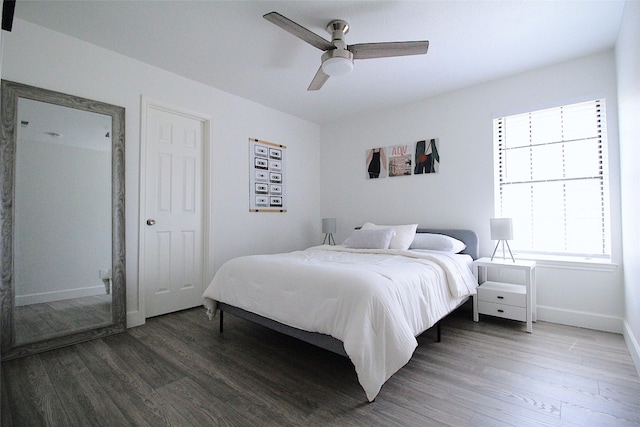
(338, 56)
(337, 66)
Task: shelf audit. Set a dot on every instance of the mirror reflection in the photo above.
(62, 220)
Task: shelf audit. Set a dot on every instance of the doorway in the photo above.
(174, 207)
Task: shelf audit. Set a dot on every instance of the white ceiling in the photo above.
(228, 45)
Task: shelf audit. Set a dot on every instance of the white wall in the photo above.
(461, 194)
(628, 68)
(39, 57)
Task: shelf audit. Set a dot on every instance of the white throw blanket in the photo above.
(375, 301)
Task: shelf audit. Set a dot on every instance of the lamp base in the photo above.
(328, 239)
(503, 253)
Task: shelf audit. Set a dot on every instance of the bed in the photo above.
(366, 302)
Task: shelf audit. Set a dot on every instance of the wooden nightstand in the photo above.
(507, 300)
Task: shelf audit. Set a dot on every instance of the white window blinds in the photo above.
(551, 175)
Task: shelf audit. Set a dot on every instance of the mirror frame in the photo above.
(11, 91)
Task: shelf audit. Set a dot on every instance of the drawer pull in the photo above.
(500, 297)
(500, 311)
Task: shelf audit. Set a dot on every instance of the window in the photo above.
(551, 176)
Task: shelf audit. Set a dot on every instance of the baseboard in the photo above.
(632, 344)
(44, 297)
(581, 319)
(135, 318)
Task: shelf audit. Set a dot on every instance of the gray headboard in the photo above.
(469, 237)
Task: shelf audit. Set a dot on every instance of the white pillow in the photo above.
(437, 242)
(404, 234)
(370, 239)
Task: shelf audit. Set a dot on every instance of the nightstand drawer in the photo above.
(503, 293)
(501, 310)
(516, 301)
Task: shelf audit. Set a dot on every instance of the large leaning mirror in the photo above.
(62, 220)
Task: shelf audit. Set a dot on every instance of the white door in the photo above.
(173, 211)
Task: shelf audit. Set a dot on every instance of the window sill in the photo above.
(571, 262)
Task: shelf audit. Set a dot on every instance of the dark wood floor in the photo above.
(178, 370)
(45, 320)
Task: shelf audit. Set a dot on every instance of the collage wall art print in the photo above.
(419, 158)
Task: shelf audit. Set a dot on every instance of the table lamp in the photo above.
(328, 228)
(502, 231)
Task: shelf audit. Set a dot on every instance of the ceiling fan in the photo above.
(338, 57)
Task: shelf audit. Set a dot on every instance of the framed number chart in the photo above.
(267, 176)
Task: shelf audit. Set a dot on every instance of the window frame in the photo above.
(600, 138)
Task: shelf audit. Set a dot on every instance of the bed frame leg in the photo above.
(221, 321)
(438, 332)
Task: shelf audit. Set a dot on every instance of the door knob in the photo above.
(151, 221)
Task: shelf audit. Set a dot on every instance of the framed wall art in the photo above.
(427, 158)
(400, 160)
(267, 175)
(376, 163)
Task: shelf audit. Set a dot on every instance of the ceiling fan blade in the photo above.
(298, 31)
(318, 80)
(384, 50)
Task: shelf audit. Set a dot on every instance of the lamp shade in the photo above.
(501, 228)
(328, 225)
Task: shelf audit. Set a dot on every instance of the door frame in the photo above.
(138, 317)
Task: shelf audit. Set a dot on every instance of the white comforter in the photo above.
(375, 301)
